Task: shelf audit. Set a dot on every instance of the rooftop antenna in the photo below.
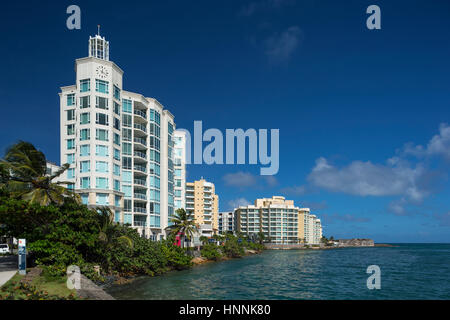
(98, 29)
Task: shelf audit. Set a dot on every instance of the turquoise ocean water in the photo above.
(408, 271)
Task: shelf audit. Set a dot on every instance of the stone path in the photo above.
(33, 273)
(89, 290)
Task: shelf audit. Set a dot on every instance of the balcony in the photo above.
(141, 114)
(139, 168)
(140, 128)
(140, 142)
(140, 182)
(139, 224)
(140, 154)
(140, 196)
(140, 210)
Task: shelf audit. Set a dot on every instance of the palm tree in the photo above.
(261, 237)
(182, 223)
(24, 175)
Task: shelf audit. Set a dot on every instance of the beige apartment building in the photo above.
(203, 203)
(279, 220)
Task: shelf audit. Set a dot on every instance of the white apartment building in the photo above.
(119, 144)
(180, 169)
(226, 222)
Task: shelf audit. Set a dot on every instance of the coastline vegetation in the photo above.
(60, 231)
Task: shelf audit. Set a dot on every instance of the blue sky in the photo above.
(362, 114)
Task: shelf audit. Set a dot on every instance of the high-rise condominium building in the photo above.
(226, 222)
(180, 169)
(119, 144)
(279, 220)
(203, 203)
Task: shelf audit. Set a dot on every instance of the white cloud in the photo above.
(439, 145)
(236, 203)
(279, 47)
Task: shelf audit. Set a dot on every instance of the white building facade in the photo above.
(180, 169)
(119, 145)
(226, 222)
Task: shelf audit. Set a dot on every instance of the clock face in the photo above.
(102, 72)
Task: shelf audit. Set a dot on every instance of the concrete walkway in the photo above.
(89, 290)
(8, 268)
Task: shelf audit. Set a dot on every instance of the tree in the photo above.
(261, 237)
(183, 224)
(23, 173)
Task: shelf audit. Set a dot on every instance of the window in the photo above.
(126, 148)
(85, 150)
(70, 129)
(116, 169)
(126, 120)
(126, 135)
(126, 176)
(117, 216)
(102, 198)
(85, 198)
(127, 191)
(85, 134)
(71, 186)
(116, 185)
(126, 106)
(85, 118)
(126, 163)
(178, 172)
(85, 166)
(85, 183)
(85, 102)
(116, 108)
(101, 134)
(101, 151)
(117, 201)
(102, 119)
(116, 139)
(101, 166)
(101, 86)
(70, 144)
(70, 173)
(70, 158)
(71, 99)
(116, 92)
(101, 183)
(116, 154)
(85, 85)
(70, 115)
(101, 103)
(116, 123)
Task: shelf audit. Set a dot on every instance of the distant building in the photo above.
(279, 220)
(226, 222)
(180, 169)
(203, 203)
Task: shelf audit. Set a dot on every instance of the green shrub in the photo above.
(211, 251)
(232, 248)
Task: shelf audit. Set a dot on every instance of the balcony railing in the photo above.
(140, 113)
(140, 154)
(140, 140)
(140, 168)
(140, 182)
(140, 210)
(139, 223)
(140, 196)
(140, 127)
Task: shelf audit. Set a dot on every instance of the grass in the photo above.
(42, 288)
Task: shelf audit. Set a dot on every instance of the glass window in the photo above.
(70, 158)
(116, 108)
(116, 123)
(85, 85)
(85, 102)
(116, 169)
(117, 201)
(101, 183)
(85, 150)
(85, 183)
(127, 191)
(117, 216)
(116, 185)
(85, 166)
(116, 154)
(101, 134)
(127, 218)
(116, 92)
(71, 99)
(101, 86)
(126, 135)
(85, 118)
(101, 103)
(85, 198)
(70, 144)
(85, 134)
(101, 166)
(116, 139)
(126, 106)
(101, 150)
(126, 148)
(70, 173)
(102, 119)
(126, 176)
(102, 198)
(126, 120)
(126, 163)
(70, 115)
(70, 129)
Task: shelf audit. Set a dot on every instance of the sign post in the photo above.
(22, 257)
